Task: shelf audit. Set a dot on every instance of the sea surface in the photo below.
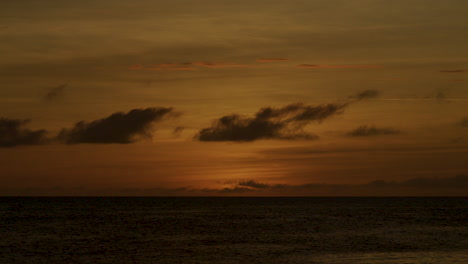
(233, 230)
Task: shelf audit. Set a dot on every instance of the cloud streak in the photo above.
(371, 131)
(119, 127)
(366, 94)
(219, 65)
(285, 123)
(13, 133)
(55, 93)
(369, 66)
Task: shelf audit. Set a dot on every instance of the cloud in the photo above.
(253, 184)
(117, 128)
(422, 186)
(338, 66)
(55, 93)
(270, 59)
(415, 186)
(366, 94)
(178, 130)
(370, 131)
(464, 122)
(459, 181)
(13, 133)
(218, 65)
(269, 123)
(453, 71)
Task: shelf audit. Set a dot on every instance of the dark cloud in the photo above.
(178, 130)
(13, 133)
(270, 123)
(234, 190)
(449, 186)
(459, 181)
(416, 186)
(55, 93)
(117, 128)
(366, 94)
(464, 122)
(369, 131)
(253, 184)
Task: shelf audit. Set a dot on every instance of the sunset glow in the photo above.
(234, 98)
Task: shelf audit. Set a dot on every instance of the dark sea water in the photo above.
(234, 230)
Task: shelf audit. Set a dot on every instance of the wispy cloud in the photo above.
(178, 130)
(219, 65)
(370, 131)
(253, 184)
(339, 66)
(366, 94)
(55, 92)
(119, 127)
(13, 133)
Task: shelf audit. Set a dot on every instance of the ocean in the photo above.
(233, 230)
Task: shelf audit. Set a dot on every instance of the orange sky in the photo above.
(255, 98)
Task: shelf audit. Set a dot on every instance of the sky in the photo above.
(234, 98)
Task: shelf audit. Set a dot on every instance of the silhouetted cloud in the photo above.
(270, 123)
(459, 181)
(464, 122)
(423, 186)
(369, 131)
(453, 71)
(416, 186)
(338, 66)
(366, 94)
(253, 184)
(13, 133)
(234, 190)
(117, 128)
(178, 130)
(55, 92)
(271, 59)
